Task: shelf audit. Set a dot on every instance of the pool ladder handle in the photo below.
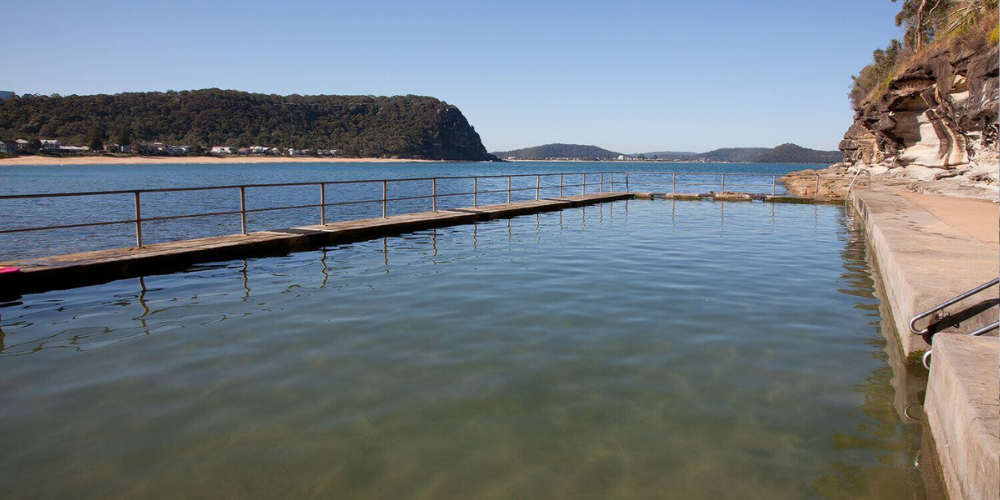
(958, 298)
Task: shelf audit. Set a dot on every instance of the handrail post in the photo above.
(475, 191)
(538, 184)
(243, 210)
(434, 195)
(138, 222)
(626, 181)
(612, 182)
(674, 177)
(385, 189)
(560, 185)
(585, 183)
(602, 182)
(774, 185)
(723, 183)
(508, 190)
(817, 185)
(322, 204)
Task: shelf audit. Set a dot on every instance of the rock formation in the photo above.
(936, 121)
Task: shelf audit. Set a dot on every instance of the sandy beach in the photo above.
(160, 160)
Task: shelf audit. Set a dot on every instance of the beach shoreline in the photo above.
(21, 161)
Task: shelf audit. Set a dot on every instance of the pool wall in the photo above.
(922, 262)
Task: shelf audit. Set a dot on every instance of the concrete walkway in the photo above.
(978, 219)
(929, 249)
(925, 261)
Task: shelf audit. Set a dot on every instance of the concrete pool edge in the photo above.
(922, 262)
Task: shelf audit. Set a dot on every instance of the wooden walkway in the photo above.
(87, 268)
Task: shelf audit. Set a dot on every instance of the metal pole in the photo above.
(385, 189)
(674, 176)
(475, 191)
(434, 195)
(774, 185)
(538, 184)
(584, 183)
(138, 222)
(626, 182)
(508, 190)
(602, 182)
(322, 204)
(612, 182)
(723, 183)
(243, 210)
(560, 185)
(817, 185)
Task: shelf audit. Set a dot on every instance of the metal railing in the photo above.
(952, 301)
(707, 179)
(603, 180)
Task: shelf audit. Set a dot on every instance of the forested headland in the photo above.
(357, 126)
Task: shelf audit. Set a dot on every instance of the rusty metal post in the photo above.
(138, 222)
(243, 210)
(322, 204)
(385, 190)
(774, 185)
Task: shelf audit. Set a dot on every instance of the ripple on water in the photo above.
(708, 350)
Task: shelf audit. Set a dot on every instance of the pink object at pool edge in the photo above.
(8, 269)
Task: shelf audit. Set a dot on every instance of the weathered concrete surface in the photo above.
(70, 270)
(924, 262)
(979, 219)
(962, 409)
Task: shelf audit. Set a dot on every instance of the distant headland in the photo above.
(785, 153)
(233, 123)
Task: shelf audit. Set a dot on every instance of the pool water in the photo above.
(636, 349)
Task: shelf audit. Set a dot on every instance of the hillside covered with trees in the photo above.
(362, 126)
(556, 151)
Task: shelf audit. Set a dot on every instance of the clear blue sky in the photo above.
(626, 75)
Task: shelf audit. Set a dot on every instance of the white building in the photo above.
(224, 150)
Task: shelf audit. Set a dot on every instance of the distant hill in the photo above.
(557, 151)
(792, 153)
(667, 154)
(730, 155)
(785, 153)
(400, 126)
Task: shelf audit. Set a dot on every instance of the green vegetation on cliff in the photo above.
(929, 28)
(403, 126)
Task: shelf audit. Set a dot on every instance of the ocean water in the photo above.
(120, 207)
(636, 349)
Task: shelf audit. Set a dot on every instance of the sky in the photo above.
(630, 76)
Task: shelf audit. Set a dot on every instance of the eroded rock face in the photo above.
(937, 120)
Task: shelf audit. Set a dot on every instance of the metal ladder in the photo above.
(958, 298)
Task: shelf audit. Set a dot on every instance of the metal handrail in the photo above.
(721, 176)
(926, 358)
(849, 186)
(958, 298)
(384, 200)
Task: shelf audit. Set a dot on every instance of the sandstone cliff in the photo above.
(935, 126)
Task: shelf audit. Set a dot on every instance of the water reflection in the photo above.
(890, 438)
(634, 358)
